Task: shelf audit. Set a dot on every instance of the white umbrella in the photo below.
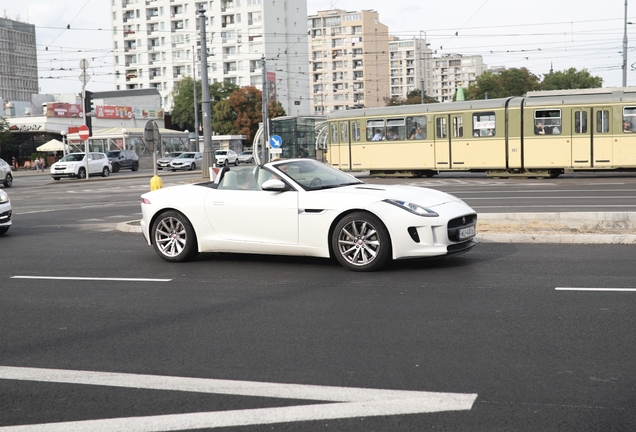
(51, 146)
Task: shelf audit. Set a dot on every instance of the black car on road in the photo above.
(123, 159)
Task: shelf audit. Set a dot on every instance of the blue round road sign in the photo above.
(275, 141)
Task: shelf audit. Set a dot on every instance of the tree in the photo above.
(241, 113)
(570, 79)
(412, 98)
(510, 82)
(183, 100)
(7, 145)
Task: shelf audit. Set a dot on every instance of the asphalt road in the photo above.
(495, 327)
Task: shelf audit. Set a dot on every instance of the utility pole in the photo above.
(208, 152)
(423, 94)
(196, 103)
(265, 114)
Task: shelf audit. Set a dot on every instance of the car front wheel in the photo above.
(361, 242)
(3, 230)
(135, 166)
(81, 174)
(116, 168)
(173, 237)
(8, 180)
(236, 162)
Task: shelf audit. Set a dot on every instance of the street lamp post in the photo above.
(124, 134)
(625, 49)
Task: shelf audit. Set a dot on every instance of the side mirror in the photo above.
(274, 185)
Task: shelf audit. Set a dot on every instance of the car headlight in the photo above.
(412, 208)
(3, 197)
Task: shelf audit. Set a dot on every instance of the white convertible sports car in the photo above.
(304, 207)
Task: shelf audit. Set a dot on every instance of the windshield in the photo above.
(73, 157)
(186, 156)
(313, 175)
(220, 152)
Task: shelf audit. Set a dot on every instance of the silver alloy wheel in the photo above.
(171, 237)
(359, 243)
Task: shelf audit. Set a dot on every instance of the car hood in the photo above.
(367, 194)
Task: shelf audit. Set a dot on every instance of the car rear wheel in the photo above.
(135, 166)
(105, 172)
(173, 237)
(8, 180)
(81, 174)
(361, 242)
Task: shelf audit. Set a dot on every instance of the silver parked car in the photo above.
(187, 161)
(246, 157)
(164, 161)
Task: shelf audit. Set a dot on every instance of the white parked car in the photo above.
(226, 157)
(5, 212)
(6, 176)
(304, 207)
(164, 161)
(74, 165)
(187, 161)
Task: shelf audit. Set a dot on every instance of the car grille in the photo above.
(457, 224)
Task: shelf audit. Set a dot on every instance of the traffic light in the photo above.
(88, 110)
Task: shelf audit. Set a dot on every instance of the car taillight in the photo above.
(145, 201)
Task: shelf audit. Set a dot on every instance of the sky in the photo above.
(538, 35)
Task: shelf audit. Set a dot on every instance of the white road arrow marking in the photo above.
(346, 402)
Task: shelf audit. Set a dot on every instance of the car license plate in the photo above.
(467, 232)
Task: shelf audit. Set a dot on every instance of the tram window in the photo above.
(580, 121)
(602, 121)
(629, 119)
(484, 124)
(355, 131)
(395, 129)
(458, 127)
(334, 133)
(441, 127)
(375, 130)
(344, 138)
(416, 126)
(547, 122)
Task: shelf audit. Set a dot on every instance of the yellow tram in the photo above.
(539, 135)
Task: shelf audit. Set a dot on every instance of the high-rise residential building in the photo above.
(349, 61)
(452, 71)
(157, 43)
(18, 61)
(410, 65)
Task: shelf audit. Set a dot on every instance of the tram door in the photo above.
(442, 142)
(581, 138)
(603, 143)
(345, 145)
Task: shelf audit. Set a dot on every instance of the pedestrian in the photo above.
(42, 163)
(37, 164)
(14, 162)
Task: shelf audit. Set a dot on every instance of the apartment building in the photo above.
(18, 61)
(349, 60)
(157, 43)
(452, 71)
(410, 65)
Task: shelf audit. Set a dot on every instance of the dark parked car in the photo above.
(123, 159)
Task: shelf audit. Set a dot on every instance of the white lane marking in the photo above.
(91, 278)
(353, 402)
(594, 289)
